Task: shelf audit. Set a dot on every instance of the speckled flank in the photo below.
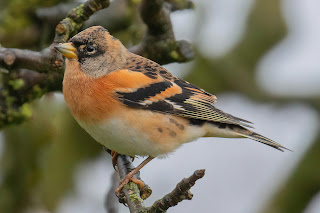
(180, 126)
(136, 132)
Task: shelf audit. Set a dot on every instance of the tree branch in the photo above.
(44, 61)
(133, 197)
(76, 17)
(131, 194)
(159, 43)
(178, 194)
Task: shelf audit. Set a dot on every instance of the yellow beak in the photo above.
(67, 49)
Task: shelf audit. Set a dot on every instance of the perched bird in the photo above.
(134, 106)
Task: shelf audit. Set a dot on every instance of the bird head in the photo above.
(97, 52)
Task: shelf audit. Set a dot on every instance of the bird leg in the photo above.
(129, 176)
(114, 156)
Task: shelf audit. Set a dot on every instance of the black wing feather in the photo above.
(192, 102)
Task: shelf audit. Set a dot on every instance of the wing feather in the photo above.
(179, 98)
(174, 96)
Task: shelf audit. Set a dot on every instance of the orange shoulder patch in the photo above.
(129, 79)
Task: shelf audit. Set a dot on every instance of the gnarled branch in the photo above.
(159, 43)
(133, 196)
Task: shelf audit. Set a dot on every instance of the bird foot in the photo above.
(126, 180)
(129, 176)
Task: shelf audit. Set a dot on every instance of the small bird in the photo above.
(134, 106)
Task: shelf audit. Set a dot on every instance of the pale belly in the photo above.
(118, 136)
(147, 135)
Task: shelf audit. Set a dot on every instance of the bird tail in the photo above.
(218, 129)
(244, 132)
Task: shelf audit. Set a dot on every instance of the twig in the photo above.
(76, 17)
(180, 193)
(159, 43)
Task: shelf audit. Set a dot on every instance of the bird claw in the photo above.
(114, 156)
(126, 180)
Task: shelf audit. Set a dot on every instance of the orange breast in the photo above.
(93, 99)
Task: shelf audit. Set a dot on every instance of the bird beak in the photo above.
(67, 49)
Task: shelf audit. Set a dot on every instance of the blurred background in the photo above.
(259, 57)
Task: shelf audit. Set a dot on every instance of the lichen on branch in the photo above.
(134, 197)
(76, 17)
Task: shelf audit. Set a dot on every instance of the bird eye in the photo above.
(90, 49)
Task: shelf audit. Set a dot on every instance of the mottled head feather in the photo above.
(96, 34)
(98, 52)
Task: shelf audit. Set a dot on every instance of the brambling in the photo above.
(134, 106)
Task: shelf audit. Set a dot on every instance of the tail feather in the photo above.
(225, 130)
(260, 138)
